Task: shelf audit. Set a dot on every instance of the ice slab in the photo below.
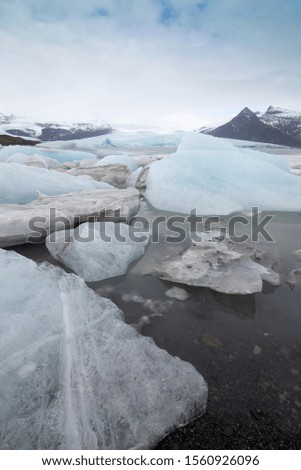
(61, 156)
(222, 266)
(19, 183)
(51, 213)
(215, 178)
(114, 174)
(35, 160)
(73, 375)
(97, 251)
(122, 159)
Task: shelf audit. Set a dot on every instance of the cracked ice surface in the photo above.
(73, 375)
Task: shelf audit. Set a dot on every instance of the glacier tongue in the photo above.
(74, 376)
(213, 177)
(98, 250)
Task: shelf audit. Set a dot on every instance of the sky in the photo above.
(180, 63)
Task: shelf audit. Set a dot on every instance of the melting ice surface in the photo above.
(214, 177)
(73, 375)
(19, 183)
(98, 250)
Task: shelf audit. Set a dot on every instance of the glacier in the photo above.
(119, 140)
(96, 251)
(215, 178)
(19, 183)
(74, 376)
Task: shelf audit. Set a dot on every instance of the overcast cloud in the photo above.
(148, 61)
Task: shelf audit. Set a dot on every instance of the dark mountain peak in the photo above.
(246, 112)
(248, 126)
(270, 109)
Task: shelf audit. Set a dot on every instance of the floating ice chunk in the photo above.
(59, 155)
(177, 293)
(114, 174)
(98, 251)
(35, 160)
(74, 376)
(221, 181)
(221, 266)
(298, 254)
(122, 159)
(19, 183)
(15, 225)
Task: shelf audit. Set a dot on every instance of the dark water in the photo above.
(247, 347)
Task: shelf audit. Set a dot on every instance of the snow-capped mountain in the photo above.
(16, 126)
(286, 121)
(248, 125)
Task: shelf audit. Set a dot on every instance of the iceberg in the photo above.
(122, 159)
(215, 178)
(35, 160)
(61, 156)
(20, 223)
(74, 376)
(97, 251)
(114, 174)
(19, 183)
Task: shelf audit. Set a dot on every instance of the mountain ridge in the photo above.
(49, 131)
(257, 127)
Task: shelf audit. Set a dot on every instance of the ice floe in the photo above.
(97, 251)
(222, 266)
(37, 219)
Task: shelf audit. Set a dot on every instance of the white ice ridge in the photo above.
(98, 250)
(20, 221)
(19, 183)
(73, 375)
(214, 177)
